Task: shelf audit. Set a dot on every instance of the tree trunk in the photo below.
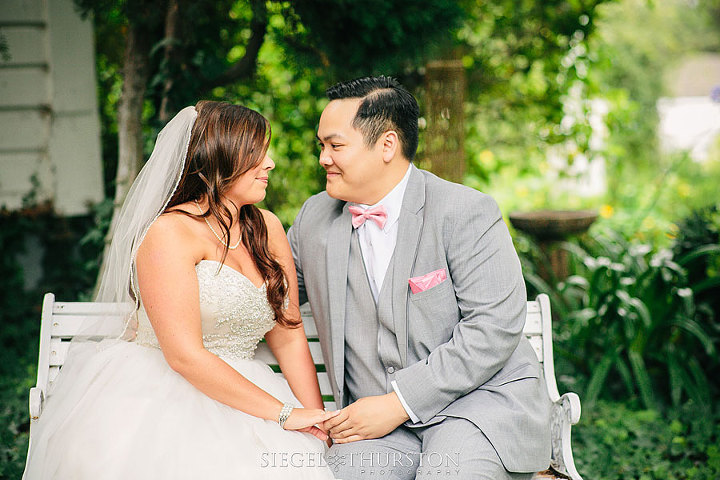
(167, 107)
(136, 70)
(130, 141)
(445, 135)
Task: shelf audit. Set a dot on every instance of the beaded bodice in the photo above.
(235, 313)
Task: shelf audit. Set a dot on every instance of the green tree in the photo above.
(175, 52)
(521, 59)
(359, 38)
(638, 41)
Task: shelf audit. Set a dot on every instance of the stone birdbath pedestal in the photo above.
(549, 228)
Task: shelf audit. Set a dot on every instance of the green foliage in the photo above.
(635, 47)
(286, 83)
(712, 9)
(148, 13)
(631, 325)
(14, 423)
(212, 36)
(376, 36)
(516, 52)
(623, 61)
(4, 50)
(521, 58)
(635, 38)
(614, 442)
(697, 235)
(68, 268)
(698, 230)
(109, 88)
(18, 342)
(648, 203)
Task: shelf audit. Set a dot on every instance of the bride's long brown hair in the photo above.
(226, 141)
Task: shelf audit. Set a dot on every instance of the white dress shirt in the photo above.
(377, 246)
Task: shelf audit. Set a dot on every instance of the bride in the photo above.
(178, 394)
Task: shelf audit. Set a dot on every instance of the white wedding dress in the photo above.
(118, 411)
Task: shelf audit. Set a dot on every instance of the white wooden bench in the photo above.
(61, 321)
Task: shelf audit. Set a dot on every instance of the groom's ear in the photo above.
(391, 145)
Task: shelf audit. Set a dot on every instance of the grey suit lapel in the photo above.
(337, 253)
(409, 228)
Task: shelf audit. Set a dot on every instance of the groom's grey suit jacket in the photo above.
(458, 349)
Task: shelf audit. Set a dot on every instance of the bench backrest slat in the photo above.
(91, 308)
(533, 324)
(63, 320)
(70, 325)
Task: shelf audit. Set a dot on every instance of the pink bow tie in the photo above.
(376, 214)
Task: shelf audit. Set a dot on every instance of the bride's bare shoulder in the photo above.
(171, 223)
(173, 229)
(184, 211)
(277, 239)
(273, 223)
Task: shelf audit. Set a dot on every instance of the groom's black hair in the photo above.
(385, 105)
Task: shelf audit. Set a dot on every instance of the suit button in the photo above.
(391, 370)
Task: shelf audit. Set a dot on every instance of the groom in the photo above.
(419, 303)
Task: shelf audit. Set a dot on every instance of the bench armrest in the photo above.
(565, 413)
(571, 403)
(37, 397)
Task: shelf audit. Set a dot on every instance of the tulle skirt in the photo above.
(118, 411)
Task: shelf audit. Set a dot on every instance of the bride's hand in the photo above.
(305, 420)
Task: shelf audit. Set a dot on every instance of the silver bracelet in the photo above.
(285, 414)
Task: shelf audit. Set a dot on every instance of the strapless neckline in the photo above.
(237, 272)
(234, 312)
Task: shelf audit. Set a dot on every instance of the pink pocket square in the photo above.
(427, 281)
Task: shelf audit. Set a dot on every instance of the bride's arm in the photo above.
(289, 345)
(169, 290)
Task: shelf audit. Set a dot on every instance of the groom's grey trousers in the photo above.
(452, 449)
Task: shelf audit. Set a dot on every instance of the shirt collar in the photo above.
(393, 200)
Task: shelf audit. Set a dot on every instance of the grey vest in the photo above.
(371, 352)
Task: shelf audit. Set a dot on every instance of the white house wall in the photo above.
(49, 125)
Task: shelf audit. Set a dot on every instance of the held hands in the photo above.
(368, 417)
(305, 419)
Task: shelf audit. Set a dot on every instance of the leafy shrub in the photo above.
(698, 233)
(69, 248)
(630, 323)
(614, 442)
(632, 311)
(14, 424)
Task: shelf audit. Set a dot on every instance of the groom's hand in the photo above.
(369, 417)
